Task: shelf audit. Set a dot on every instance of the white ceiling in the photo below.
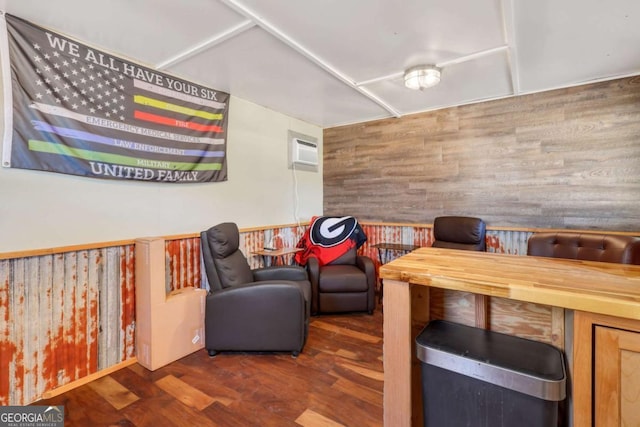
(333, 62)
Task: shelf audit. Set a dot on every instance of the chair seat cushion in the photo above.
(342, 278)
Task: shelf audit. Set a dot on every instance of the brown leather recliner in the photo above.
(459, 232)
(345, 285)
(586, 247)
(266, 309)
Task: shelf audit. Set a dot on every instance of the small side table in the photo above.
(385, 251)
(273, 255)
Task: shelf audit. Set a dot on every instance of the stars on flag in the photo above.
(77, 85)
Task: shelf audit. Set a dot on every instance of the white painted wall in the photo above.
(44, 209)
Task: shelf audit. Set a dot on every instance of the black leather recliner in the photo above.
(459, 232)
(265, 309)
(344, 285)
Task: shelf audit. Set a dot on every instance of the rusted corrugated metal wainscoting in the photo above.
(183, 263)
(184, 266)
(64, 316)
(281, 237)
(68, 315)
(498, 241)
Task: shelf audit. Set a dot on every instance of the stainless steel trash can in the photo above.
(475, 377)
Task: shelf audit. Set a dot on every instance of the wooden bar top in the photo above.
(597, 287)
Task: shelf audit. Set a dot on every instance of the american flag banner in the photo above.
(80, 111)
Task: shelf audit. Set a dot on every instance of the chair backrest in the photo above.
(348, 257)
(459, 232)
(224, 263)
(586, 247)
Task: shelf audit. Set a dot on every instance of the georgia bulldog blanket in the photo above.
(328, 238)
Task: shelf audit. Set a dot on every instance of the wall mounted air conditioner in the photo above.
(304, 152)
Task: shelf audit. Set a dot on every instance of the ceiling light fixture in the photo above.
(421, 77)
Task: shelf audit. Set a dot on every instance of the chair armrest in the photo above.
(366, 264)
(313, 268)
(285, 272)
(246, 296)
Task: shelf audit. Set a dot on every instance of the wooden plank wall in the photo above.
(568, 158)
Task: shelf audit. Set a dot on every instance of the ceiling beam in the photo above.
(207, 44)
(471, 56)
(509, 31)
(271, 29)
(443, 64)
(381, 78)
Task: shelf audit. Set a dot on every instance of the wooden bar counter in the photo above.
(593, 288)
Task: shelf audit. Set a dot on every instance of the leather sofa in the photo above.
(586, 246)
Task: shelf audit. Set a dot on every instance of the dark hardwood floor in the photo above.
(336, 381)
